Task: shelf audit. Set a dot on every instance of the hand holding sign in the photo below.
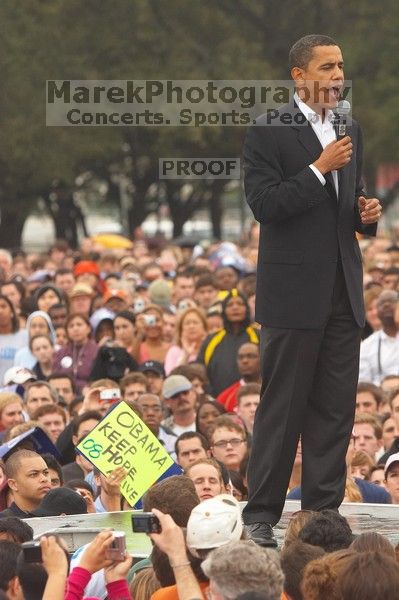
(112, 483)
(123, 440)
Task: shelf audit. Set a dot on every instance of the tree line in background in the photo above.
(150, 39)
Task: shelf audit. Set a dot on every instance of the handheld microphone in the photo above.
(343, 109)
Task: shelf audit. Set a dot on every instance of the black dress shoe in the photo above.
(262, 534)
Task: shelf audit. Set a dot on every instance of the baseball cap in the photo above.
(160, 293)
(175, 384)
(100, 315)
(86, 266)
(18, 375)
(214, 522)
(40, 276)
(152, 365)
(114, 293)
(59, 501)
(81, 289)
(391, 460)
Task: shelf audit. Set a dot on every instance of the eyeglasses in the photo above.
(235, 442)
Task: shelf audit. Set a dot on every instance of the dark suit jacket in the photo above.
(304, 227)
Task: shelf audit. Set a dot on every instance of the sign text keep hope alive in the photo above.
(121, 439)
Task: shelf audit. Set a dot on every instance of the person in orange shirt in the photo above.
(213, 523)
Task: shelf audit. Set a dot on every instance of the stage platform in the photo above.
(381, 518)
(81, 529)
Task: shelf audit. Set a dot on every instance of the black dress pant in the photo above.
(309, 380)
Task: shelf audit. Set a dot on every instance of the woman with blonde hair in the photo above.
(10, 411)
(191, 330)
(352, 491)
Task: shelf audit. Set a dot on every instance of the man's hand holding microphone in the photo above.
(336, 155)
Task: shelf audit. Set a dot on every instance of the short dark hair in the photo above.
(226, 422)
(60, 375)
(206, 280)
(378, 467)
(13, 462)
(17, 529)
(41, 383)
(185, 273)
(53, 464)
(18, 284)
(73, 484)
(49, 409)
(236, 480)
(134, 377)
(249, 389)
(302, 51)
(294, 559)
(327, 529)
(86, 416)
(63, 271)
(73, 404)
(189, 435)
(9, 552)
(375, 391)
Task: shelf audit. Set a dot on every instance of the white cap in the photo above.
(392, 459)
(18, 375)
(214, 522)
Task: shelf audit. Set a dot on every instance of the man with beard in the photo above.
(379, 353)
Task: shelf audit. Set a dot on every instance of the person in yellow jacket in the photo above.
(219, 350)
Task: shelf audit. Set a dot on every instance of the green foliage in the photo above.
(144, 39)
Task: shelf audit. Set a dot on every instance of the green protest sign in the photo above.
(122, 439)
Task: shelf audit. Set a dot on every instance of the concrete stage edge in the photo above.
(80, 529)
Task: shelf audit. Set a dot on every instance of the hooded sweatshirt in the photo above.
(24, 357)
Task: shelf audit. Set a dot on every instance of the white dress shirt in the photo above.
(325, 132)
(379, 357)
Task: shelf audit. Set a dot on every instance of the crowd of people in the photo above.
(172, 329)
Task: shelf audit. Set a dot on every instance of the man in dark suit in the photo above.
(304, 187)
